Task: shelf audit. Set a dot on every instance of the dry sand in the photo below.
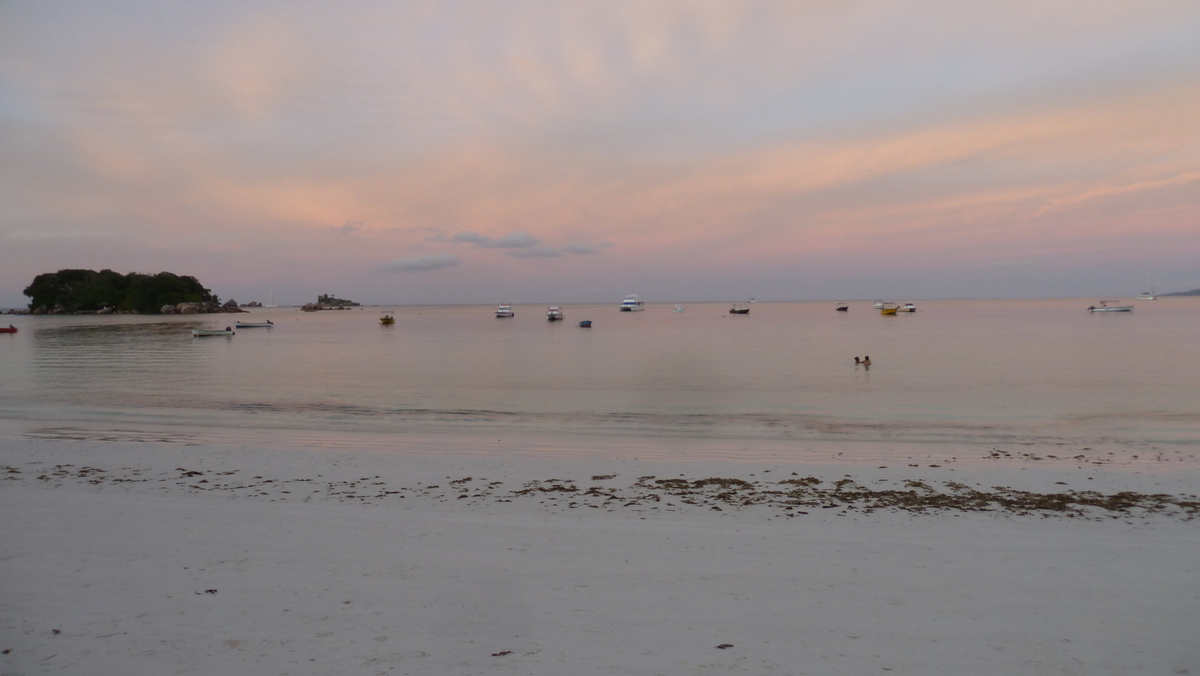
(134, 554)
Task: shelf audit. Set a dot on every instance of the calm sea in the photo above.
(979, 370)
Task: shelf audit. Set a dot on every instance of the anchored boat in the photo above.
(201, 333)
(632, 304)
(1105, 307)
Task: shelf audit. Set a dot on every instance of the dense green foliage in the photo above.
(88, 291)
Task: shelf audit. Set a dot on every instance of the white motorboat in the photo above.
(907, 307)
(505, 311)
(878, 304)
(554, 314)
(632, 304)
(1105, 307)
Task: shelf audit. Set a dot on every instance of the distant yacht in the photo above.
(632, 304)
(271, 300)
(505, 311)
(554, 314)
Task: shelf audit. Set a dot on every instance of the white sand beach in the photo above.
(127, 554)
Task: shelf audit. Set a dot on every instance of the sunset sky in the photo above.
(557, 152)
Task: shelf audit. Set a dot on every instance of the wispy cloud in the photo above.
(585, 249)
(352, 226)
(420, 263)
(513, 240)
(535, 252)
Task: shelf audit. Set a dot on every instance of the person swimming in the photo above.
(866, 361)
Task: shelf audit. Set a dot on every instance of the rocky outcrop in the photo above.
(207, 307)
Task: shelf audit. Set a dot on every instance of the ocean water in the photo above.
(956, 370)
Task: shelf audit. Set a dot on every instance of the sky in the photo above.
(558, 152)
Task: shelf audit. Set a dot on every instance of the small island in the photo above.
(1193, 292)
(106, 292)
(328, 302)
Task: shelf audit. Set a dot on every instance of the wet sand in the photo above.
(123, 553)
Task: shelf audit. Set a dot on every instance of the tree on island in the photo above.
(326, 299)
(89, 291)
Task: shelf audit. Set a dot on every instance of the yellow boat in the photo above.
(888, 309)
(387, 320)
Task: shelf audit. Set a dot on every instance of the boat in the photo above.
(505, 311)
(677, 308)
(842, 307)
(10, 329)
(387, 319)
(1147, 296)
(878, 304)
(888, 309)
(200, 333)
(271, 300)
(739, 310)
(585, 324)
(907, 307)
(554, 314)
(632, 304)
(1105, 307)
(254, 325)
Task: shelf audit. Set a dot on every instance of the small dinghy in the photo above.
(585, 324)
(201, 333)
(254, 325)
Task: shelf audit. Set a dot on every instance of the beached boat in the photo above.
(505, 311)
(254, 325)
(739, 310)
(632, 304)
(888, 309)
(387, 319)
(1105, 307)
(554, 314)
(201, 333)
(585, 324)
(842, 307)
(10, 329)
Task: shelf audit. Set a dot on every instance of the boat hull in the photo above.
(1121, 308)
(206, 333)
